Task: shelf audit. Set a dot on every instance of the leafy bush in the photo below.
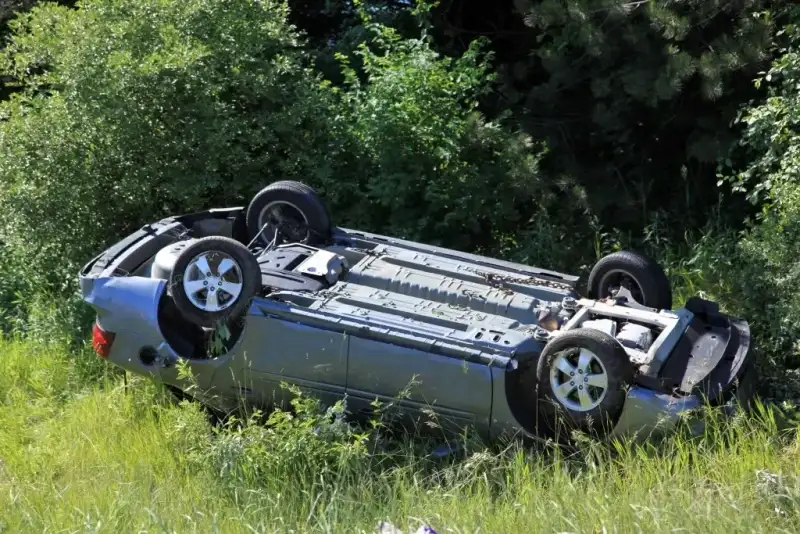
(300, 448)
(773, 135)
(131, 110)
(761, 273)
(424, 163)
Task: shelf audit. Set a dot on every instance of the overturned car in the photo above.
(497, 346)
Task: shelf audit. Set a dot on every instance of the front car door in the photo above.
(456, 391)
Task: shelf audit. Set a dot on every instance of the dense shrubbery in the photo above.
(769, 272)
(135, 109)
(755, 273)
(423, 162)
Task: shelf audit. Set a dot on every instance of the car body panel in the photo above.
(313, 358)
(460, 392)
(448, 329)
(128, 306)
(364, 239)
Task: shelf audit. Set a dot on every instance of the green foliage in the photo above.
(772, 247)
(300, 448)
(633, 98)
(425, 164)
(134, 109)
(756, 273)
(771, 135)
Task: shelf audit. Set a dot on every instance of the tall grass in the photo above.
(100, 456)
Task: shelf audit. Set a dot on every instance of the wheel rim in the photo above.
(579, 380)
(614, 280)
(213, 281)
(286, 217)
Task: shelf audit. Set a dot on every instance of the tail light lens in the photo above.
(102, 341)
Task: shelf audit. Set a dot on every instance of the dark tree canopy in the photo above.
(635, 99)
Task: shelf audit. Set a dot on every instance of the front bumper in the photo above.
(648, 413)
(712, 365)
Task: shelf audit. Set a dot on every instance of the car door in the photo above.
(278, 349)
(456, 391)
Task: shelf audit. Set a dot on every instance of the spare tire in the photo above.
(291, 209)
(643, 277)
(582, 379)
(213, 280)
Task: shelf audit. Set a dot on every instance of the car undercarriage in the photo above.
(496, 345)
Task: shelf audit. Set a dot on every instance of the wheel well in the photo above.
(187, 339)
(521, 394)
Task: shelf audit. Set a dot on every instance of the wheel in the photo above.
(292, 208)
(643, 277)
(582, 376)
(213, 280)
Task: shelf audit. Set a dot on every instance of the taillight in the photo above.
(102, 340)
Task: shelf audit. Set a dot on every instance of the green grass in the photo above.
(80, 455)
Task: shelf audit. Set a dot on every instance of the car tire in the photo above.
(210, 300)
(644, 278)
(304, 216)
(591, 399)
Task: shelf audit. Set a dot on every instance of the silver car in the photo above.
(251, 297)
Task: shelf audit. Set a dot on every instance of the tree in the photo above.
(634, 99)
(8, 10)
(428, 166)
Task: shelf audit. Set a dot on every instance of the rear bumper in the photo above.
(128, 307)
(125, 256)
